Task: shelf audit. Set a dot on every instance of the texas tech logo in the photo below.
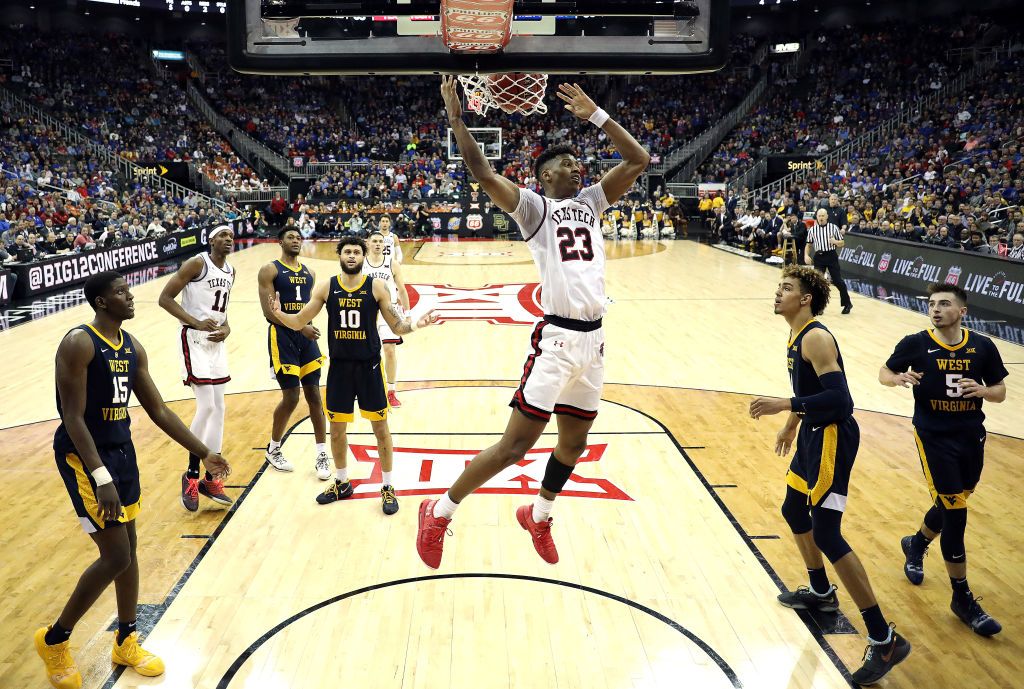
(497, 304)
(431, 472)
(953, 276)
(883, 263)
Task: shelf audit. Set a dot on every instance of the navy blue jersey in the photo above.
(939, 404)
(352, 321)
(109, 380)
(805, 379)
(293, 285)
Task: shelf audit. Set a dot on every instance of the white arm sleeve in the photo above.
(594, 197)
(529, 214)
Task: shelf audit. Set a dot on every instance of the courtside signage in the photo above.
(513, 304)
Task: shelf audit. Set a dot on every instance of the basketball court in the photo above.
(672, 546)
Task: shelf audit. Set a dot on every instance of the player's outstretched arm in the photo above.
(502, 190)
(635, 157)
(189, 271)
(400, 325)
(168, 422)
(265, 282)
(297, 321)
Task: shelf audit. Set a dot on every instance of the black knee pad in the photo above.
(954, 525)
(795, 511)
(933, 518)
(556, 475)
(828, 535)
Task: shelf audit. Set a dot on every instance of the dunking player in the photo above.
(98, 367)
(382, 262)
(294, 356)
(564, 372)
(204, 281)
(953, 372)
(353, 301)
(819, 475)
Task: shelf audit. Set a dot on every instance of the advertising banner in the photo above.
(7, 280)
(782, 165)
(991, 282)
(64, 271)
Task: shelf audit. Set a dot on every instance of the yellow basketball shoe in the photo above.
(131, 654)
(60, 666)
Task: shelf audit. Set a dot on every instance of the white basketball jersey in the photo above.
(565, 239)
(392, 247)
(383, 272)
(207, 295)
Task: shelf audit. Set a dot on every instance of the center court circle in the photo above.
(236, 665)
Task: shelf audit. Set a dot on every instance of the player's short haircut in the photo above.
(99, 284)
(811, 282)
(351, 241)
(285, 230)
(549, 154)
(960, 292)
(375, 232)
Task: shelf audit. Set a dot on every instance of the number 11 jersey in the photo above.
(564, 236)
(206, 295)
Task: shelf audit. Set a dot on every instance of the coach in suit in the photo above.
(824, 239)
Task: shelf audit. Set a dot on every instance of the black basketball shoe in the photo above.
(914, 566)
(970, 612)
(388, 499)
(336, 491)
(879, 658)
(806, 599)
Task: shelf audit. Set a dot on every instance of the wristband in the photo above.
(599, 117)
(412, 325)
(102, 476)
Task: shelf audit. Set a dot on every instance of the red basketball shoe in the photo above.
(541, 532)
(430, 535)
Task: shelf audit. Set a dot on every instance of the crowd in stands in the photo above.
(853, 80)
(106, 86)
(401, 119)
(55, 198)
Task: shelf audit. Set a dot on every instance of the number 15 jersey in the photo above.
(564, 236)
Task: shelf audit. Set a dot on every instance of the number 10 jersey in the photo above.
(564, 236)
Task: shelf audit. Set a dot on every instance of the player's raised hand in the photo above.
(450, 93)
(766, 406)
(217, 466)
(909, 379)
(576, 101)
(429, 318)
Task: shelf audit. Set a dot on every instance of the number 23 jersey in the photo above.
(939, 404)
(564, 236)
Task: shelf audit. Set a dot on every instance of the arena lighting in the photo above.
(288, 9)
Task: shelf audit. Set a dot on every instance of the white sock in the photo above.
(445, 507)
(342, 474)
(391, 387)
(273, 445)
(542, 509)
(387, 478)
(321, 448)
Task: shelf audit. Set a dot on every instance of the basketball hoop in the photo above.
(510, 93)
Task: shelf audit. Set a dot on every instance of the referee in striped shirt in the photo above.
(822, 240)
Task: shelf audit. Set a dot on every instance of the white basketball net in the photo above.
(511, 93)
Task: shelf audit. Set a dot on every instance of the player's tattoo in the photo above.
(404, 326)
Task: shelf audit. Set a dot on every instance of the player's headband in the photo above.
(218, 229)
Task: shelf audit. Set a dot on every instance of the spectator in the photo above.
(1016, 249)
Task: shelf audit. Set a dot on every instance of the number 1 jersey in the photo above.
(564, 236)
